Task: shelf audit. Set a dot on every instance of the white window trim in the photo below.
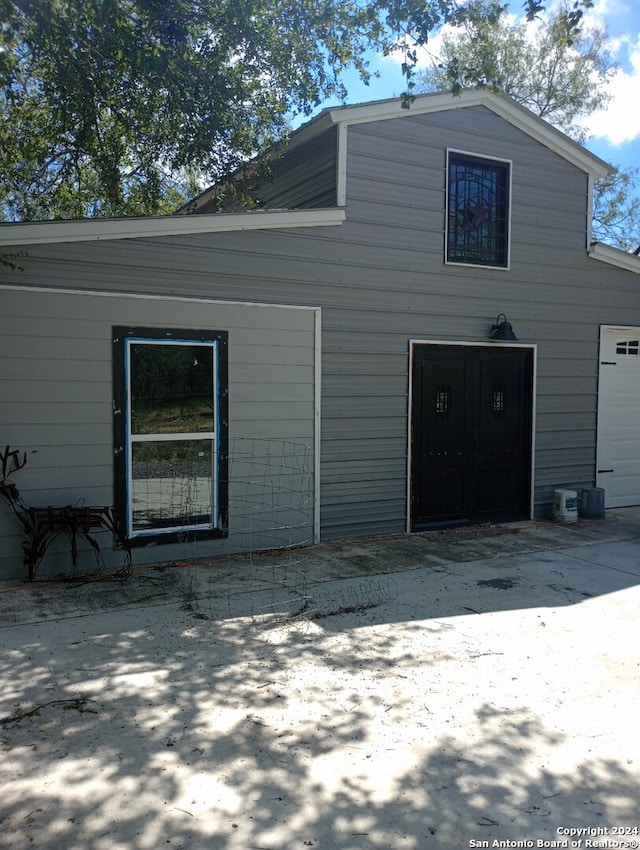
(131, 439)
(497, 159)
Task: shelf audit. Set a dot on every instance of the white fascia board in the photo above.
(547, 135)
(503, 106)
(384, 110)
(22, 234)
(341, 166)
(615, 257)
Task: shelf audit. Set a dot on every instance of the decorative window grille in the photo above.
(443, 401)
(499, 403)
(477, 211)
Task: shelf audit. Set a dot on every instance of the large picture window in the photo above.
(477, 211)
(170, 426)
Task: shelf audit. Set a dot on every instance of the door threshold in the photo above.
(448, 523)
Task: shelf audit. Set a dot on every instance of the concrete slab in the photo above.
(622, 555)
(22, 602)
(449, 690)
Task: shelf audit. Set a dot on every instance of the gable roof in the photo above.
(502, 105)
(23, 234)
(343, 117)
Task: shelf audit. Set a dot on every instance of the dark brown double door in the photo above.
(471, 434)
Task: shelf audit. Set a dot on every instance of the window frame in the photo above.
(489, 162)
(123, 338)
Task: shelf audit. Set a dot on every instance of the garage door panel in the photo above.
(618, 455)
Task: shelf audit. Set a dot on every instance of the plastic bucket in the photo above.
(565, 506)
(592, 503)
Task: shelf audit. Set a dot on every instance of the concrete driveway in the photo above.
(469, 688)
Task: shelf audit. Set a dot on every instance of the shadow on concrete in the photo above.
(189, 726)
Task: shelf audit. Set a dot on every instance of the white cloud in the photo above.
(619, 122)
(603, 10)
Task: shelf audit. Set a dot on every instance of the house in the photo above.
(322, 367)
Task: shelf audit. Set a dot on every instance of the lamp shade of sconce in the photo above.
(502, 330)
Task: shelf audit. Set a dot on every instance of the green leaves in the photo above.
(616, 213)
(560, 74)
(556, 81)
(109, 103)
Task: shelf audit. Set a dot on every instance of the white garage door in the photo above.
(618, 456)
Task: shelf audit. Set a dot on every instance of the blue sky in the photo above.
(614, 133)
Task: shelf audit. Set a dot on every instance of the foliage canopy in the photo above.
(558, 80)
(106, 101)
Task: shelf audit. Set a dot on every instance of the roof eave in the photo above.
(500, 104)
(315, 127)
(615, 257)
(23, 234)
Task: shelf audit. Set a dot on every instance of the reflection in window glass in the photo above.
(628, 347)
(170, 433)
(172, 388)
(171, 484)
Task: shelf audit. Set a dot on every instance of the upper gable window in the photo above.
(477, 211)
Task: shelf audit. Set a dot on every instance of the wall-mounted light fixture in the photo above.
(502, 329)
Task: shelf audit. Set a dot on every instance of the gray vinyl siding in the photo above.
(381, 281)
(304, 178)
(301, 178)
(553, 294)
(57, 404)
